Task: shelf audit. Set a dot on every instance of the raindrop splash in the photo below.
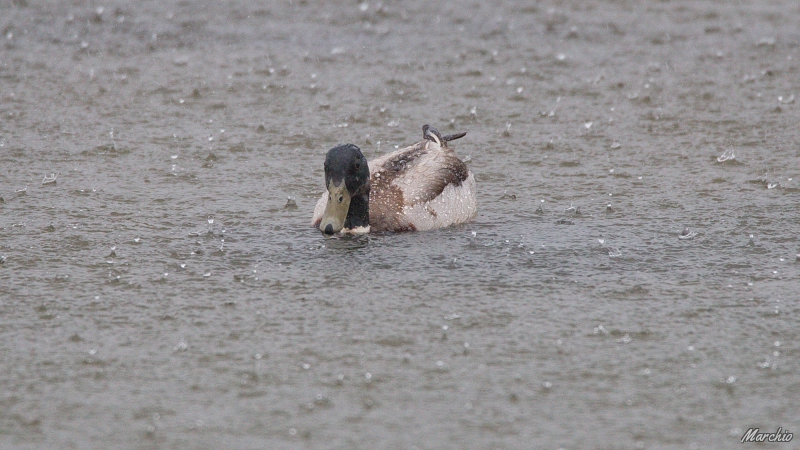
(728, 155)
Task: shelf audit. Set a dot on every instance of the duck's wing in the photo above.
(421, 187)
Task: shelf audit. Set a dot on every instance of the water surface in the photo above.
(160, 293)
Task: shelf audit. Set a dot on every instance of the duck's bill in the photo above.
(336, 210)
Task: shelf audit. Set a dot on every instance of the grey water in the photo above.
(631, 280)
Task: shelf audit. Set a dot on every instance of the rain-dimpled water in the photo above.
(630, 280)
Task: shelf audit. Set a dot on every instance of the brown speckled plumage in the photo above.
(420, 187)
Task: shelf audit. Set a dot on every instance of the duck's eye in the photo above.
(341, 199)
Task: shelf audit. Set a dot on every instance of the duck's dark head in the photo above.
(347, 180)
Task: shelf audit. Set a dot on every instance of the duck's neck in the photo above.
(358, 215)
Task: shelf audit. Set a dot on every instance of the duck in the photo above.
(421, 187)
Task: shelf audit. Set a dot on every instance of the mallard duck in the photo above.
(421, 187)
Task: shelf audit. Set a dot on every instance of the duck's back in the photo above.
(422, 187)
